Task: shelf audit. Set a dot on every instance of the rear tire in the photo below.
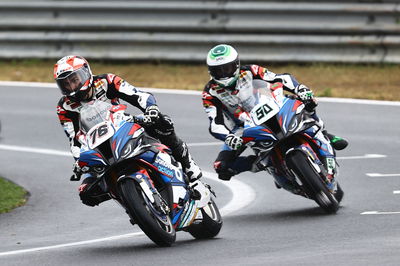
(210, 225)
(160, 232)
(313, 185)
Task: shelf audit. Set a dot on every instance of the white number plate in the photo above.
(99, 133)
(264, 111)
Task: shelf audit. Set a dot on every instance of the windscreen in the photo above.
(251, 94)
(93, 113)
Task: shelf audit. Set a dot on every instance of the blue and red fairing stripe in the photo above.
(258, 133)
(122, 136)
(288, 110)
(91, 158)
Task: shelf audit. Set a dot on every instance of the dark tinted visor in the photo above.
(224, 71)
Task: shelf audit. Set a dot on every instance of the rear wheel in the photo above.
(313, 185)
(210, 225)
(155, 224)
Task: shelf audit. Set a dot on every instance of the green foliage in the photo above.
(327, 92)
(11, 196)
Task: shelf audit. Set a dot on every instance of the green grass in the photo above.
(11, 196)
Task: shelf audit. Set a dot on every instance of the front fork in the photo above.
(323, 161)
(147, 186)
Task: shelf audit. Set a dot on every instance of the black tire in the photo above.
(210, 225)
(313, 185)
(339, 193)
(160, 233)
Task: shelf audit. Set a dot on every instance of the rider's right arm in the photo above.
(120, 88)
(288, 81)
(217, 127)
(69, 120)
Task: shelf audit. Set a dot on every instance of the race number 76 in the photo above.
(101, 131)
(99, 134)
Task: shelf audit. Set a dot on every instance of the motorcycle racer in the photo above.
(78, 85)
(227, 112)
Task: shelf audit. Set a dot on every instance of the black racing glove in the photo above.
(307, 97)
(151, 115)
(234, 142)
(77, 170)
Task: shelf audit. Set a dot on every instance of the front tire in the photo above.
(160, 231)
(210, 225)
(339, 193)
(313, 185)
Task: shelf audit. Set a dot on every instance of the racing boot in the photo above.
(228, 165)
(222, 164)
(191, 169)
(182, 155)
(337, 142)
(194, 174)
(90, 192)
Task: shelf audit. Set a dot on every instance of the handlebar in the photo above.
(310, 105)
(138, 119)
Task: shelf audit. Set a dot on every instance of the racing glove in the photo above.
(77, 170)
(234, 142)
(307, 97)
(304, 93)
(151, 115)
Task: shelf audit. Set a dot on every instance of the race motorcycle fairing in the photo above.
(289, 144)
(140, 173)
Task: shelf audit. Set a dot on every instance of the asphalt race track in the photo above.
(276, 228)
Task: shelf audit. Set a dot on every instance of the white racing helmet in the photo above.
(73, 76)
(223, 64)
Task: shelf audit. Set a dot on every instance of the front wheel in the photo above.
(156, 225)
(313, 185)
(339, 193)
(210, 225)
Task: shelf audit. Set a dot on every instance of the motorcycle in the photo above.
(289, 144)
(140, 173)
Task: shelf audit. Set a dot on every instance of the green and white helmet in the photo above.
(223, 64)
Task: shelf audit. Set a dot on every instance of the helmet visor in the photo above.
(227, 70)
(72, 82)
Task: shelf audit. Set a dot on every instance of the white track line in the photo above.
(80, 243)
(65, 153)
(234, 185)
(34, 150)
(377, 213)
(190, 92)
(243, 195)
(205, 144)
(381, 175)
(365, 156)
